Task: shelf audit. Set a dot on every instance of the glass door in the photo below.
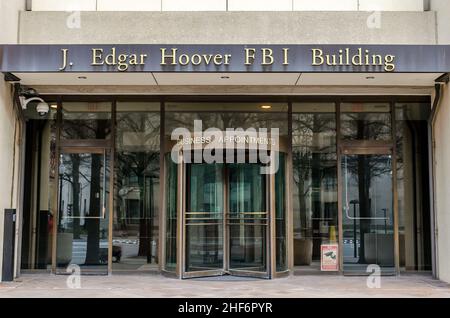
(83, 196)
(368, 214)
(203, 219)
(247, 221)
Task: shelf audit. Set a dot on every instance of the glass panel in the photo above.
(280, 215)
(227, 115)
(204, 217)
(366, 121)
(82, 233)
(86, 121)
(368, 218)
(136, 210)
(171, 213)
(248, 218)
(315, 195)
(413, 186)
(39, 196)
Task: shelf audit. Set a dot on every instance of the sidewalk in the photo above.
(124, 286)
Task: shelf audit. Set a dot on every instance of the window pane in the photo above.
(366, 121)
(413, 185)
(280, 215)
(82, 232)
(315, 181)
(135, 227)
(227, 115)
(171, 213)
(86, 121)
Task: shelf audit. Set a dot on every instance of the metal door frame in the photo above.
(357, 149)
(270, 199)
(94, 146)
(368, 147)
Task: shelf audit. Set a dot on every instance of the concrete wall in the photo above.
(442, 152)
(230, 5)
(442, 8)
(9, 20)
(228, 27)
(442, 185)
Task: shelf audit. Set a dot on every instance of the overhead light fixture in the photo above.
(266, 106)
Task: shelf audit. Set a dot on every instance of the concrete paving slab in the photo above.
(156, 286)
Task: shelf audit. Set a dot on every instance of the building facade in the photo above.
(141, 136)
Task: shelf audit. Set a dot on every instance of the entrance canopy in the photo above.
(231, 69)
(225, 58)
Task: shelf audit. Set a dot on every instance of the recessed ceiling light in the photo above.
(225, 77)
(266, 106)
(82, 77)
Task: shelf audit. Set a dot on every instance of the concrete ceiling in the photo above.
(218, 79)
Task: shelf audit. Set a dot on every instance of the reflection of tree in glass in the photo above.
(226, 120)
(366, 126)
(138, 159)
(364, 169)
(314, 163)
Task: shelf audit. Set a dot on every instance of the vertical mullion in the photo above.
(162, 191)
(394, 189)
(339, 185)
(289, 214)
(112, 155)
(55, 204)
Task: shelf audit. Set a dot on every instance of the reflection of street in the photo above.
(79, 250)
(130, 258)
(349, 250)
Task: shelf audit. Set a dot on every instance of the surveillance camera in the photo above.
(42, 109)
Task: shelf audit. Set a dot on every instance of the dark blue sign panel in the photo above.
(226, 58)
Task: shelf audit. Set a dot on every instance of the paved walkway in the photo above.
(46, 285)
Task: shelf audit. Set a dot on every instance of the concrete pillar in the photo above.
(442, 9)
(9, 154)
(441, 132)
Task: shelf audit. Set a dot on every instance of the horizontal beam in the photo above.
(225, 58)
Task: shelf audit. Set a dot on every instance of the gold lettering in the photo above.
(164, 56)
(143, 57)
(331, 60)
(207, 58)
(389, 65)
(122, 65)
(249, 55)
(218, 59)
(110, 59)
(64, 59)
(285, 56)
(377, 59)
(227, 59)
(184, 59)
(267, 56)
(196, 59)
(357, 58)
(96, 56)
(133, 59)
(317, 57)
